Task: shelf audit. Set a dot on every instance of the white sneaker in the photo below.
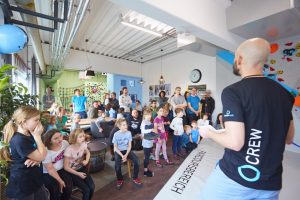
(151, 157)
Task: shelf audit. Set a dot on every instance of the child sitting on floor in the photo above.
(195, 135)
(186, 143)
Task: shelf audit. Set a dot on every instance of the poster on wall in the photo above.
(133, 97)
(154, 91)
(94, 91)
(201, 89)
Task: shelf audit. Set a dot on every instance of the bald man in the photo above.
(258, 124)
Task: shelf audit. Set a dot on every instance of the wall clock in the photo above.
(195, 75)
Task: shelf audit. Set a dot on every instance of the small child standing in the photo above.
(166, 117)
(75, 123)
(146, 129)
(76, 158)
(161, 141)
(177, 126)
(204, 121)
(195, 135)
(122, 147)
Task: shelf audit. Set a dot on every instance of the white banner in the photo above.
(187, 182)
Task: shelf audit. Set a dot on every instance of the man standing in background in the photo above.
(194, 106)
(114, 100)
(48, 98)
(125, 102)
(208, 105)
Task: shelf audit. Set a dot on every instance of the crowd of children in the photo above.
(64, 163)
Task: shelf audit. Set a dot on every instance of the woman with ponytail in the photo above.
(23, 133)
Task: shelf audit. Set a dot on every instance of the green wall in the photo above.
(66, 82)
(69, 80)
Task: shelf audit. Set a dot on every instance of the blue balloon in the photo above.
(12, 39)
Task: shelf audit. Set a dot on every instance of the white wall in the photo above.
(78, 60)
(224, 77)
(176, 70)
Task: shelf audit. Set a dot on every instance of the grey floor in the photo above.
(291, 176)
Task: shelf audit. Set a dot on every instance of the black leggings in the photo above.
(147, 152)
(86, 185)
(53, 186)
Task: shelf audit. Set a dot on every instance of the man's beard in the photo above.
(236, 71)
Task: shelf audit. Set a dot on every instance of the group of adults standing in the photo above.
(193, 106)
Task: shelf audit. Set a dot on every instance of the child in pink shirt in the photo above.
(161, 141)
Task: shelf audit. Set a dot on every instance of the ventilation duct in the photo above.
(269, 19)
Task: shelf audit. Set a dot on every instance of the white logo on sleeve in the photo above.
(228, 114)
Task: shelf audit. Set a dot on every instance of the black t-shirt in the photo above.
(23, 180)
(264, 106)
(208, 105)
(134, 125)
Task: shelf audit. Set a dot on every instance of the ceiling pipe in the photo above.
(74, 30)
(58, 34)
(65, 25)
(34, 34)
(59, 56)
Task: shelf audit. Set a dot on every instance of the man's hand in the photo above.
(206, 131)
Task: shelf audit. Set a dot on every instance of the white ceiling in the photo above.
(102, 27)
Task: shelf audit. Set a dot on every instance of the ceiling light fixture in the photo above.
(161, 79)
(141, 81)
(140, 28)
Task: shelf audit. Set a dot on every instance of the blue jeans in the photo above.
(176, 146)
(220, 187)
(82, 114)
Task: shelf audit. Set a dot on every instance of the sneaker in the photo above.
(180, 155)
(137, 182)
(119, 184)
(175, 157)
(151, 157)
(169, 162)
(161, 155)
(149, 173)
(158, 164)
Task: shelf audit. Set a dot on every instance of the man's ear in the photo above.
(239, 60)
